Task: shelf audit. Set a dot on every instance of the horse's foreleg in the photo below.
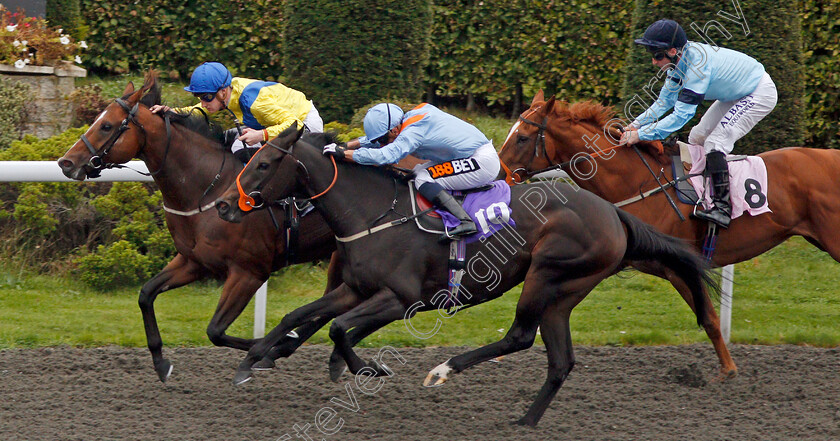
(711, 323)
(372, 314)
(288, 345)
(334, 303)
(237, 291)
(178, 272)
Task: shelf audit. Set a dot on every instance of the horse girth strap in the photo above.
(379, 228)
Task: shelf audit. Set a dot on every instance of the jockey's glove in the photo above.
(334, 150)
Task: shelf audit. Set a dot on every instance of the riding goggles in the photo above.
(657, 53)
(206, 96)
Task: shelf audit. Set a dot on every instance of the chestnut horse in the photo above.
(802, 194)
(191, 167)
(563, 245)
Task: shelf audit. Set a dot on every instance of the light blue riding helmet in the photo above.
(381, 118)
(209, 77)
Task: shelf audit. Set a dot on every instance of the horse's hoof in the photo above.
(727, 375)
(524, 422)
(337, 366)
(438, 375)
(164, 370)
(242, 377)
(382, 369)
(266, 364)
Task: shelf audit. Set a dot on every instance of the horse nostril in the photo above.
(223, 207)
(65, 164)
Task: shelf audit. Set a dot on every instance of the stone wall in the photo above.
(51, 112)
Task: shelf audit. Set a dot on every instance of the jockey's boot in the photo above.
(721, 212)
(441, 199)
(447, 202)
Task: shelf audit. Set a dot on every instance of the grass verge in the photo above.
(788, 295)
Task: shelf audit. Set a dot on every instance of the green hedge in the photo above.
(175, 37)
(821, 52)
(14, 96)
(93, 227)
(66, 14)
(575, 49)
(346, 53)
(490, 50)
(774, 40)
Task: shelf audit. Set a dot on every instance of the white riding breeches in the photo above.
(313, 121)
(726, 122)
(481, 168)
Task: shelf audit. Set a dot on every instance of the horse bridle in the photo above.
(96, 161)
(248, 202)
(538, 143)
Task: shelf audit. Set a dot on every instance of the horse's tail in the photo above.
(646, 243)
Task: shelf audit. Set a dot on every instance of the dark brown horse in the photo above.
(565, 242)
(185, 154)
(802, 193)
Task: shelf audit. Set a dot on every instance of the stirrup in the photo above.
(714, 215)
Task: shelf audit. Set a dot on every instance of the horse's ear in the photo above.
(135, 97)
(129, 88)
(538, 97)
(549, 105)
(289, 136)
(150, 79)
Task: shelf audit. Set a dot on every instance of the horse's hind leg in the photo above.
(520, 336)
(178, 272)
(554, 330)
(711, 321)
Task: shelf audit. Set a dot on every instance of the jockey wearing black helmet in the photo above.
(742, 91)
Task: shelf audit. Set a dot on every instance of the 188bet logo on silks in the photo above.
(452, 168)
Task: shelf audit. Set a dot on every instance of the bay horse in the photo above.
(190, 166)
(802, 193)
(564, 243)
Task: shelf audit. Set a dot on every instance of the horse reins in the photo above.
(588, 156)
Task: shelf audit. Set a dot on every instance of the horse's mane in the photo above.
(585, 111)
(599, 115)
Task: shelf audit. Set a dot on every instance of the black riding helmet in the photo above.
(663, 35)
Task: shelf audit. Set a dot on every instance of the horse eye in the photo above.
(262, 166)
(521, 139)
(106, 127)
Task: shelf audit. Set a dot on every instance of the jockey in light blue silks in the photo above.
(743, 93)
(460, 156)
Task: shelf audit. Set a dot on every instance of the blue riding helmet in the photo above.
(663, 34)
(381, 118)
(209, 77)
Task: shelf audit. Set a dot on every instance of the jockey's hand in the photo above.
(251, 136)
(629, 137)
(334, 150)
(160, 108)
